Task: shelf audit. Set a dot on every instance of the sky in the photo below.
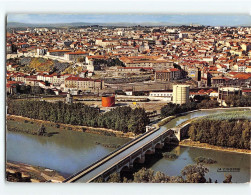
(206, 12)
(179, 19)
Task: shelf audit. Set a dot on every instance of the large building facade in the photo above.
(168, 75)
(83, 84)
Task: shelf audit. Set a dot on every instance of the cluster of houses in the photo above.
(210, 56)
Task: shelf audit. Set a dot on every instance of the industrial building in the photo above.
(180, 94)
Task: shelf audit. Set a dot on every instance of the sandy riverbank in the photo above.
(20, 172)
(190, 143)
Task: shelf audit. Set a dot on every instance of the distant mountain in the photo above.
(75, 24)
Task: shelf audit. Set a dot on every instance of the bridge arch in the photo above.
(167, 139)
(149, 151)
(159, 145)
(124, 171)
(124, 168)
(137, 160)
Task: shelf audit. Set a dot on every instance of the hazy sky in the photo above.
(133, 11)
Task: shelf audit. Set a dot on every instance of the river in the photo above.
(66, 152)
(70, 151)
(186, 156)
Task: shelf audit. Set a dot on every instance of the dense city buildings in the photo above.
(95, 58)
(157, 86)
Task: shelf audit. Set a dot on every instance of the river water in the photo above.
(70, 151)
(66, 152)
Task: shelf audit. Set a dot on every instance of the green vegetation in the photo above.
(190, 174)
(203, 103)
(123, 119)
(230, 129)
(195, 173)
(173, 109)
(238, 101)
(204, 160)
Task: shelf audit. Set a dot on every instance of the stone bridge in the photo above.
(125, 157)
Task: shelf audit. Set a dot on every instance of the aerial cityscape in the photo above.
(128, 98)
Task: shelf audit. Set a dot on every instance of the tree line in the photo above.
(173, 109)
(199, 102)
(226, 133)
(189, 174)
(238, 101)
(123, 119)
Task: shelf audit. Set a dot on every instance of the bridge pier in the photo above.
(142, 159)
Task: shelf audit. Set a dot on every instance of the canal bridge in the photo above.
(126, 156)
(134, 151)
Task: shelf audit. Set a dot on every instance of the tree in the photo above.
(114, 178)
(36, 90)
(160, 177)
(195, 173)
(144, 176)
(49, 92)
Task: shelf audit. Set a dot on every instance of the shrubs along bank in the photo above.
(123, 119)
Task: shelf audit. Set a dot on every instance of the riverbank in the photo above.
(190, 143)
(20, 172)
(61, 126)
